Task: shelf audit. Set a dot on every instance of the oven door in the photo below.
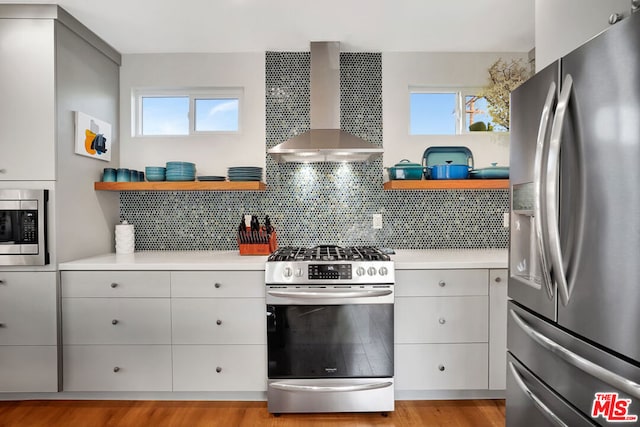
(329, 332)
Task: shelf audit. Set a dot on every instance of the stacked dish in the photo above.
(245, 173)
(212, 178)
(181, 171)
(155, 173)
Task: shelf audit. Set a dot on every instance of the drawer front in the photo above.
(219, 368)
(28, 308)
(441, 367)
(226, 284)
(441, 319)
(116, 321)
(115, 284)
(117, 368)
(218, 321)
(442, 282)
(32, 368)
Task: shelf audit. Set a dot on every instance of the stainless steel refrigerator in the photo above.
(574, 280)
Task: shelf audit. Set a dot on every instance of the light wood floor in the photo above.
(458, 413)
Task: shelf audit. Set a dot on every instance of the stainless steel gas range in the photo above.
(330, 330)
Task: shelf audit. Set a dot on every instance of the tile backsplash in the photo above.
(320, 203)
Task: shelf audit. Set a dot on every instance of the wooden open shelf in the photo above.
(447, 184)
(182, 186)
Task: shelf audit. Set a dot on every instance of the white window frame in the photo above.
(461, 94)
(192, 94)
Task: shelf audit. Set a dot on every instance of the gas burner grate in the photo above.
(329, 253)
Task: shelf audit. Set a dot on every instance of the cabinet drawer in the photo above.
(115, 284)
(441, 367)
(239, 284)
(32, 368)
(441, 319)
(116, 321)
(242, 368)
(442, 282)
(218, 321)
(117, 368)
(28, 308)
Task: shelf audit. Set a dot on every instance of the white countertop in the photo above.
(170, 260)
(414, 259)
(405, 259)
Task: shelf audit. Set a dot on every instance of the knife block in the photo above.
(262, 246)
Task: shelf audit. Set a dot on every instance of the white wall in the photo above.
(561, 26)
(402, 70)
(212, 154)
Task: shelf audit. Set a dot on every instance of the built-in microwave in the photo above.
(23, 234)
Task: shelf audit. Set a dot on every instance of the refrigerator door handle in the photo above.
(551, 191)
(621, 383)
(548, 413)
(540, 202)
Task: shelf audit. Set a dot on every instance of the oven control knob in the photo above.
(360, 271)
(383, 271)
(298, 272)
(287, 272)
(371, 271)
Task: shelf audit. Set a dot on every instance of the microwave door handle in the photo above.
(539, 202)
(544, 409)
(551, 190)
(621, 383)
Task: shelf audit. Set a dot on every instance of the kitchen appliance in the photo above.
(23, 233)
(574, 352)
(330, 329)
(325, 141)
(444, 162)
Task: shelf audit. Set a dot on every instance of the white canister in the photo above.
(125, 238)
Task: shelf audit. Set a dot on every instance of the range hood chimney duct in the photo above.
(325, 142)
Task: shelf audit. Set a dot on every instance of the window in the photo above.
(433, 113)
(186, 112)
(448, 112)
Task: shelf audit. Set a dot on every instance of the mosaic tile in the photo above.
(324, 202)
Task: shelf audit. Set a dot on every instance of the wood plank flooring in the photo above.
(109, 413)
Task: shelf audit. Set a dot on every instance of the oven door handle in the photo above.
(331, 294)
(326, 389)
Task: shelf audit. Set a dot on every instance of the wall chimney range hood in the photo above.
(325, 142)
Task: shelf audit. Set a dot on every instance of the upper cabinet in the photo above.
(27, 110)
(51, 65)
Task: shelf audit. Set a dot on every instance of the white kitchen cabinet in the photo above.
(498, 280)
(219, 321)
(115, 284)
(442, 367)
(446, 333)
(163, 331)
(442, 282)
(219, 367)
(117, 367)
(28, 332)
(116, 321)
(27, 110)
(217, 284)
(28, 368)
(28, 308)
(456, 319)
(116, 331)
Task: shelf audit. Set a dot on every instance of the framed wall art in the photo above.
(93, 137)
